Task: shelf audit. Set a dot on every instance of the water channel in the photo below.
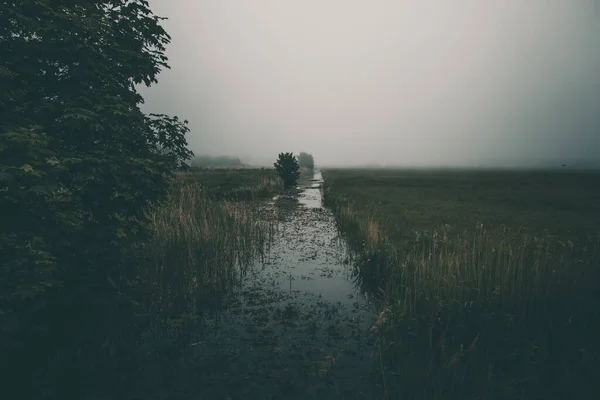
(297, 327)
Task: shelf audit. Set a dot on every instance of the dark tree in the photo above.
(287, 167)
(306, 160)
(79, 163)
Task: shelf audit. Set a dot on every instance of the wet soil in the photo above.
(297, 327)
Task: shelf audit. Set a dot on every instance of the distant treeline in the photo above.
(216, 162)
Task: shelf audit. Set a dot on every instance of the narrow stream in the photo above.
(297, 327)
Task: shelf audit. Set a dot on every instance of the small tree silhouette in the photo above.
(287, 168)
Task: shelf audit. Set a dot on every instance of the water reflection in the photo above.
(310, 195)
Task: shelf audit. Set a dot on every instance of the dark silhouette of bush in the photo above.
(306, 160)
(287, 168)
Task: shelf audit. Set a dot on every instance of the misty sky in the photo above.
(398, 82)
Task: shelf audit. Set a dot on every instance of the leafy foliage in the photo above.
(287, 168)
(79, 163)
(306, 160)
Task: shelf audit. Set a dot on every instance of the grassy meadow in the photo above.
(490, 278)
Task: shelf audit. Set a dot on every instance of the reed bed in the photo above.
(487, 311)
(203, 238)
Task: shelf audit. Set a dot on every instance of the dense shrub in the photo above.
(287, 168)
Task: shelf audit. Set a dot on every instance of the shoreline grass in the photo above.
(199, 242)
(202, 239)
(478, 310)
(233, 184)
(204, 236)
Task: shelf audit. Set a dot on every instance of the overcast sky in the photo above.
(397, 82)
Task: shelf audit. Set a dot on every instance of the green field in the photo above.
(491, 278)
(563, 204)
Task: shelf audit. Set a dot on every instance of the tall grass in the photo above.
(497, 268)
(485, 312)
(202, 240)
(234, 184)
(199, 247)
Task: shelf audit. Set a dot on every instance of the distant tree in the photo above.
(287, 167)
(306, 160)
(79, 164)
